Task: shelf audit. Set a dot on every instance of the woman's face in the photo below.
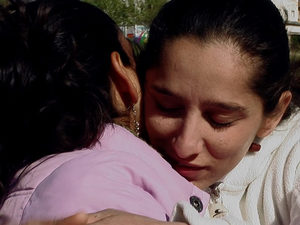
(199, 110)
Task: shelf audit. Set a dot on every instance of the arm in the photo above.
(105, 217)
(113, 217)
(77, 219)
(90, 185)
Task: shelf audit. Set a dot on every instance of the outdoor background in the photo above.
(134, 18)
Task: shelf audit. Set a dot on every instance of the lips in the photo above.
(185, 168)
(189, 171)
(176, 162)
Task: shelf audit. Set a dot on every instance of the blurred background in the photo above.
(134, 17)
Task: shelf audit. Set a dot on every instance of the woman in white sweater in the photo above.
(222, 106)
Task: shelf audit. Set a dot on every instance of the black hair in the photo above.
(256, 27)
(54, 79)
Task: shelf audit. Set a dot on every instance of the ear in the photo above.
(125, 81)
(271, 121)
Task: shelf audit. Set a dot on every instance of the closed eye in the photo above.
(220, 122)
(218, 125)
(169, 110)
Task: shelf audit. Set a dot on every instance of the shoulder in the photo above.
(106, 176)
(120, 139)
(284, 169)
(291, 125)
(285, 136)
(28, 180)
(111, 175)
(295, 199)
(285, 145)
(82, 184)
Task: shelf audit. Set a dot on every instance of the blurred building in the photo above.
(290, 11)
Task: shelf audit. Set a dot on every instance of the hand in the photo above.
(116, 217)
(105, 217)
(77, 219)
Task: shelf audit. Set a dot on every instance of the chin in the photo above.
(203, 186)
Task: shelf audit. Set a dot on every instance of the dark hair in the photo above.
(54, 83)
(254, 26)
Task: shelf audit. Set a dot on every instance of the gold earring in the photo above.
(135, 122)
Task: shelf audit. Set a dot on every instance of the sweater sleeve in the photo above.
(295, 200)
(92, 183)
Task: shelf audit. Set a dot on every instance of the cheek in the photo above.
(152, 122)
(157, 137)
(159, 128)
(231, 146)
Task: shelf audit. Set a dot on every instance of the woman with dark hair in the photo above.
(45, 74)
(221, 105)
(67, 78)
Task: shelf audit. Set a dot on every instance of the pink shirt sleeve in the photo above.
(132, 177)
(105, 179)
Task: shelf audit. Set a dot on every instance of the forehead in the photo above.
(212, 70)
(218, 56)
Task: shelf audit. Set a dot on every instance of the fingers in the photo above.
(116, 217)
(102, 215)
(105, 217)
(77, 219)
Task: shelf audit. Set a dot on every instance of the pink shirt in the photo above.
(120, 172)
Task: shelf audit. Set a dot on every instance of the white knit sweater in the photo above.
(264, 188)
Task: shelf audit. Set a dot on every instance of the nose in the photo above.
(188, 141)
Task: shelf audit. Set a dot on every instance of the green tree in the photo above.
(148, 10)
(130, 12)
(123, 12)
(126, 12)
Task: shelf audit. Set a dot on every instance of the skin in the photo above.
(125, 87)
(104, 217)
(200, 112)
(77, 219)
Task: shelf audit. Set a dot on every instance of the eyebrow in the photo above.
(226, 106)
(230, 106)
(163, 91)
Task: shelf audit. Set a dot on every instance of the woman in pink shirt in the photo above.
(67, 83)
(223, 106)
